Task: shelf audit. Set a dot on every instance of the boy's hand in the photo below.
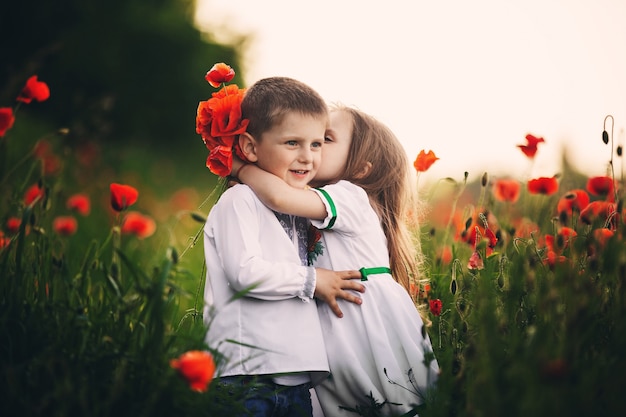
(331, 285)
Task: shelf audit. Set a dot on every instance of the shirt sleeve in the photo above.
(347, 207)
(232, 233)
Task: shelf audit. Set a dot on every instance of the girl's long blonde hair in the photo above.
(388, 186)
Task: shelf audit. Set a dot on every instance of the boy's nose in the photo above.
(305, 155)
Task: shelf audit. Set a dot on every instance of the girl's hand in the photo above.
(232, 179)
(331, 285)
(237, 164)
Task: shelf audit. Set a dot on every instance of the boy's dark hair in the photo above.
(268, 100)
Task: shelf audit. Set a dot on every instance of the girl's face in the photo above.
(335, 150)
(292, 150)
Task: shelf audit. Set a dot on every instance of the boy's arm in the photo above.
(278, 195)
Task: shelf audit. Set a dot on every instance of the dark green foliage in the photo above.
(120, 71)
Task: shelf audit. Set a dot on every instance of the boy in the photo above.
(259, 288)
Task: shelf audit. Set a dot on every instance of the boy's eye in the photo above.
(292, 143)
(328, 139)
(316, 144)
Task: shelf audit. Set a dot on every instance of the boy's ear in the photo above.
(364, 172)
(248, 146)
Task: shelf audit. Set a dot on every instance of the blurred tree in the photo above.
(121, 72)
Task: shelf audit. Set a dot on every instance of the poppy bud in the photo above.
(199, 217)
(605, 137)
(173, 254)
(500, 281)
(114, 273)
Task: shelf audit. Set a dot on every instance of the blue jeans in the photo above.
(261, 397)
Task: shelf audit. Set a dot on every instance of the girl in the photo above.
(379, 347)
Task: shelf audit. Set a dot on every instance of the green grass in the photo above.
(89, 322)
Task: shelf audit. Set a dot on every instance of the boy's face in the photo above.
(292, 150)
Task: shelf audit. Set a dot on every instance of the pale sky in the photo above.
(467, 79)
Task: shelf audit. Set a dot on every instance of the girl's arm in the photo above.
(277, 194)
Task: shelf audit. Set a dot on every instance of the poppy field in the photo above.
(101, 276)
(526, 291)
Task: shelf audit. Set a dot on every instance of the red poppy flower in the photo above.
(79, 203)
(34, 90)
(220, 160)
(226, 114)
(506, 190)
(219, 73)
(491, 238)
(219, 122)
(6, 120)
(573, 200)
(42, 148)
(562, 239)
(602, 235)
(480, 228)
(197, 367)
(138, 225)
(4, 241)
(435, 306)
(475, 261)
(530, 149)
(444, 254)
(598, 211)
(204, 116)
(553, 258)
(65, 225)
(601, 186)
(13, 225)
(184, 199)
(33, 193)
(219, 106)
(600, 238)
(51, 164)
(424, 289)
(123, 196)
(87, 154)
(543, 185)
(525, 228)
(424, 160)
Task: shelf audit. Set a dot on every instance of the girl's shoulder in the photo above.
(349, 204)
(345, 189)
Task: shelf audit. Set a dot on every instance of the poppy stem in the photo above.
(453, 208)
(608, 116)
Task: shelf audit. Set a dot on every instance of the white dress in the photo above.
(381, 340)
